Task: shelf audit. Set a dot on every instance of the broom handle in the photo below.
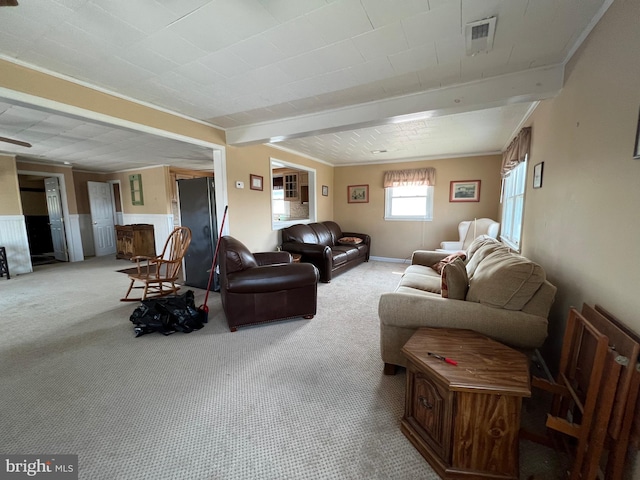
(215, 256)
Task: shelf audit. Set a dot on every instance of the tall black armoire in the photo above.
(198, 212)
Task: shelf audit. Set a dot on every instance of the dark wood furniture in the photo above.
(136, 239)
(4, 264)
(464, 419)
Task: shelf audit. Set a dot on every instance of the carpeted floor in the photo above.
(301, 399)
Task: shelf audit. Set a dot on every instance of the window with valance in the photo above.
(410, 178)
(409, 194)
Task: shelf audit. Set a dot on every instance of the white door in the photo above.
(56, 219)
(101, 205)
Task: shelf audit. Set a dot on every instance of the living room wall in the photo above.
(249, 216)
(398, 239)
(582, 224)
(9, 190)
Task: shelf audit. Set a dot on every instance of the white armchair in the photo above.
(469, 230)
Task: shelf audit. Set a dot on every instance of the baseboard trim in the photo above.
(390, 259)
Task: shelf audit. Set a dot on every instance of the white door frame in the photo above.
(72, 225)
(116, 220)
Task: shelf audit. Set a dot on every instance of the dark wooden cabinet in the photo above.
(465, 418)
(136, 239)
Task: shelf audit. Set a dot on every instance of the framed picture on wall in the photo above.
(325, 190)
(255, 182)
(464, 191)
(636, 150)
(537, 175)
(358, 193)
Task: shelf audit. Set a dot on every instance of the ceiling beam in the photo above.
(525, 86)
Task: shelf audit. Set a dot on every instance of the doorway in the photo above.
(42, 211)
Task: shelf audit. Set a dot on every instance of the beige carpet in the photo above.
(301, 399)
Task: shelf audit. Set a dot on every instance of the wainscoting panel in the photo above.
(86, 234)
(162, 226)
(13, 236)
(74, 239)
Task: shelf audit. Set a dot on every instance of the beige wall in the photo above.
(249, 217)
(33, 202)
(82, 189)
(65, 171)
(398, 239)
(582, 225)
(155, 190)
(9, 189)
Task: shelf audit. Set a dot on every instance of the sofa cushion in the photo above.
(334, 228)
(300, 233)
(440, 265)
(479, 242)
(322, 233)
(422, 270)
(505, 280)
(481, 253)
(426, 283)
(339, 257)
(454, 280)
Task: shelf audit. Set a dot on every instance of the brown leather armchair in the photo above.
(263, 287)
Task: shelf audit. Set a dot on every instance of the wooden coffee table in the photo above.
(464, 419)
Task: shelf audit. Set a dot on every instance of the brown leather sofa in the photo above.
(263, 287)
(319, 244)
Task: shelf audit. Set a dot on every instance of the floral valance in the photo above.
(516, 152)
(410, 178)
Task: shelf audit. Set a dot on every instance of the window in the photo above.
(513, 205)
(409, 203)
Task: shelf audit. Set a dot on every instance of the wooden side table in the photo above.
(464, 419)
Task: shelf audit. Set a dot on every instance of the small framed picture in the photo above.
(325, 190)
(537, 175)
(636, 150)
(464, 191)
(255, 182)
(358, 193)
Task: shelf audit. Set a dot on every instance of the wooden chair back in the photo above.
(173, 252)
(159, 274)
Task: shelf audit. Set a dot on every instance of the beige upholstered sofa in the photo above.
(494, 292)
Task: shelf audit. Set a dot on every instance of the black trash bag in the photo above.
(168, 315)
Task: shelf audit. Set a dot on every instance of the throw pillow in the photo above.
(440, 265)
(454, 281)
(349, 241)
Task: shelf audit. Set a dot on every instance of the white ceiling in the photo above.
(333, 79)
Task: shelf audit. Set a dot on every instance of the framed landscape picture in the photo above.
(358, 193)
(464, 191)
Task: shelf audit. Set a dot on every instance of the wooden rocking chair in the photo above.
(159, 274)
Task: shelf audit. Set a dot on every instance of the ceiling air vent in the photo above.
(479, 36)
